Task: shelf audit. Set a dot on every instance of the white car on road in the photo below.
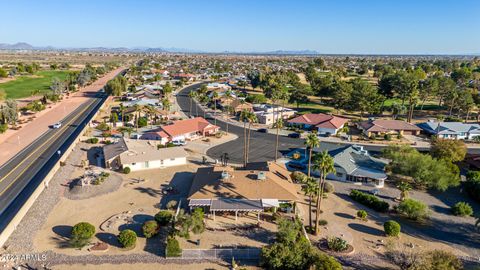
(57, 125)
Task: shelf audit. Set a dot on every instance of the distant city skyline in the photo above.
(333, 27)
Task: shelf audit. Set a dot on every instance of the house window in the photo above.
(340, 175)
(133, 164)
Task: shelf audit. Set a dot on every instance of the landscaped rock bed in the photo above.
(77, 191)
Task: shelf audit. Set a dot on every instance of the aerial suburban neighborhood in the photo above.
(364, 153)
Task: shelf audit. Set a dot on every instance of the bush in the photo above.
(103, 127)
(322, 222)
(81, 234)
(392, 228)
(150, 228)
(299, 177)
(321, 261)
(92, 140)
(472, 185)
(337, 244)
(3, 128)
(440, 259)
(387, 137)
(462, 209)
(362, 214)
(369, 200)
(127, 238)
(413, 209)
(171, 204)
(142, 122)
(163, 217)
(328, 188)
(173, 247)
(126, 170)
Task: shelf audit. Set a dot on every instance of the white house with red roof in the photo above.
(323, 123)
(182, 130)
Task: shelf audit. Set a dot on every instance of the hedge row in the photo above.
(369, 200)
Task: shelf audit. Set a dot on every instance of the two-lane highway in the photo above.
(21, 175)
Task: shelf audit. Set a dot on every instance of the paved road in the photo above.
(262, 145)
(21, 175)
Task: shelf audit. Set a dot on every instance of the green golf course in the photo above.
(24, 85)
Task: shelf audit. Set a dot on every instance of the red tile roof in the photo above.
(197, 124)
(319, 120)
(382, 125)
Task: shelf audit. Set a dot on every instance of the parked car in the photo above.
(374, 192)
(179, 143)
(57, 125)
(262, 130)
(294, 135)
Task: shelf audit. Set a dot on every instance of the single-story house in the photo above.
(451, 130)
(354, 164)
(141, 154)
(268, 117)
(258, 187)
(182, 130)
(381, 126)
(324, 123)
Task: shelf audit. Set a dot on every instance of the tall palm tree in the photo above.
(278, 125)
(310, 189)
(311, 142)
(228, 96)
(166, 104)
(215, 98)
(137, 115)
(191, 95)
(324, 163)
(252, 118)
(244, 119)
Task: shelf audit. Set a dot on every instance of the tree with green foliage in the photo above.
(81, 234)
(413, 209)
(173, 248)
(198, 226)
(365, 97)
(462, 209)
(163, 217)
(310, 189)
(3, 73)
(342, 95)
(324, 164)
(425, 171)
(404, 188)
(451, 150)
(472, 185)
(311, 142)
(127, 238)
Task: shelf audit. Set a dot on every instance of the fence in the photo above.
(224, 254)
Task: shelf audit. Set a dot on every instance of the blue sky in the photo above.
(335, 26)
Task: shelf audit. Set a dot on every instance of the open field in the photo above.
(24, 85)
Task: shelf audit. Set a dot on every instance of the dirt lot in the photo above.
(141, 200)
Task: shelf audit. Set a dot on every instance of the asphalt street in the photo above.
(22, 174)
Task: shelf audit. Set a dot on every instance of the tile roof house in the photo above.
(324, 123)
(451, 130)
(182, 130)
(141, 155)
(259, 186)
(382, 126)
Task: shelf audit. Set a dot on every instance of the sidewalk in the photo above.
(13, 141)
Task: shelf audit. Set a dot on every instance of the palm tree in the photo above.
(122, 110)
(166, 104)
(278, 125)
(310, 189)
(137, 115)
(228, 96)
(244, 119)
(252, 118)
(311, 142)
(191, 95)
(215, 97)
(404, 188)
(324, 163)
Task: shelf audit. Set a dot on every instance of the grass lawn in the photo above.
(24, 85)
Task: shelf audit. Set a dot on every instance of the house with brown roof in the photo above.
(383, 126)
(258, 187)
(323, 123)
(182, 130)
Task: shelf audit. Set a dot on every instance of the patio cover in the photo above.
(236, 205)
(200, 202)
(270, 203)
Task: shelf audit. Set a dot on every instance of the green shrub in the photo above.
(3, 128)
(413, 209)
(299, 177)
(171, 204)
(322, 222)
(322, 261)
(337, 244)
(328, 188)
(81, 234)
(163, 217)
(142, 122)
(126, 170)
(440, 259)
(197, 221)
(462, 209)
(362, 214)
(103, 127)
(92, 140)
(127, 238)
(369, 200)
(472, 185)
(150, 228)
(173, 247)
(387, 137)
(392, 228)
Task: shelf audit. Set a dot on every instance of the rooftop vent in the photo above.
(261, 176)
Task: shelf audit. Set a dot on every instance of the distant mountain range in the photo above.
(26, 46)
